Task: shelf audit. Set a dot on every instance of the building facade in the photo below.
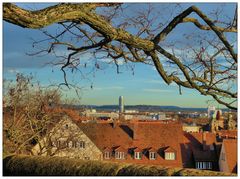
(140, 142)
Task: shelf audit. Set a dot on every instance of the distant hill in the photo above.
(150, 108)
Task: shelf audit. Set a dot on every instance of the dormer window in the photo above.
(170, 156)
(152, 156)
(119, 155)
(169, 153)
(107, 155)
(138, 155)
(120, 152)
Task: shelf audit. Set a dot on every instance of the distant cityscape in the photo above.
(204, 139)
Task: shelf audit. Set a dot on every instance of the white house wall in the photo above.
(66, 130)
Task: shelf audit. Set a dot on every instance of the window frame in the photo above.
(72, 144)
(203, 165)
(107, 155)
(82, 144)
(120, 155)
(151, 154)
(138, 155)
(170, 156)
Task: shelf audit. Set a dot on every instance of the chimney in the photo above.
(204, 141)
(135, 130)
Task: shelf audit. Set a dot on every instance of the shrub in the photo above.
(23, 165)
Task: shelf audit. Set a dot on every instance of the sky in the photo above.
(102, 87)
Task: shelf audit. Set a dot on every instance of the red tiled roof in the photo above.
(227, 133)
(230, 146)
(195, 144)
(107, 149)
(137, 149)
(169, 149)
(120, 149)
(196, 138)
(105, 135)
(152, 149)
(144, 135)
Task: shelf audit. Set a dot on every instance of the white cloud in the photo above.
(155, 81)
(12, 71)
(157, 90)
(109, 88)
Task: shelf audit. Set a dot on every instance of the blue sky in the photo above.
(144, 87)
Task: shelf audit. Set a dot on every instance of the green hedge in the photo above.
(23, 165)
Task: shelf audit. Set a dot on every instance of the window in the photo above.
(82, 144)
(169, 156)
(152, 155)
(119, 155)
(203, 165)
(208, 165)
(107, 155)
(137, 155)
(70, 144)
(59, 143)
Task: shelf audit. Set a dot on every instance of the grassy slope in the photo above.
(23, 165)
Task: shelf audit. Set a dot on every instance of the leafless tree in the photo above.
(26, 115)
(204, 60)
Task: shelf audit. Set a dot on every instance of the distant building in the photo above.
(217, 123)
(191, 128)
(161, 116)
(131, 111)
(121, 104)
(231, 123)
(99, 115)
(211, 111)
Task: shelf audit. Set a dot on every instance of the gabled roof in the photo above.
(169, 149)
(230, 146)
(105, 135)
(120, 149)
(196, 139)
(152, 149)
(154, 135)
(107, 149)
(137, 149)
